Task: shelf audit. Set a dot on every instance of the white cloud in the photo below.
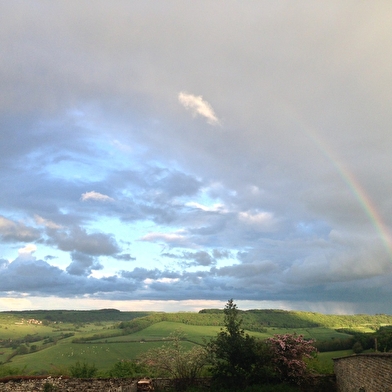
(149, 281)
(261, 220)
(167, 237)
(95, 196)
(198, 106)
(217, 207)
(27, 250)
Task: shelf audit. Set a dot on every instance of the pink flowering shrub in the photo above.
(289, 352)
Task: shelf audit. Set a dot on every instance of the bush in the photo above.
(22, 349)
(83, 370)
(126, 369)
(281, 387)
(58, 370)
(49, 387)
(357, 348)
(173, 360)
(289, 354)
(11, 371)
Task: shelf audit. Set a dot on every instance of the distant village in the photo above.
(29, 321)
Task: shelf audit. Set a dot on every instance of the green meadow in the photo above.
(51, 342)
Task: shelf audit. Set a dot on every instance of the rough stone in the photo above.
(364, 373)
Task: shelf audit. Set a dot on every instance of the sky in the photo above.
(171, 155)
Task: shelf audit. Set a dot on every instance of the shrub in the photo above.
(289, 354)
(357, 348)
(22, 349)
(173, 360)
(125, 369)
(11, 371)
(83, 370)
(49, 387)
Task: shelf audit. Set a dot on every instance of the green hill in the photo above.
(54, 339)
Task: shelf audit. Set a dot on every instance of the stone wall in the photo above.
(57, 384)
(49, 384)
(364, 373)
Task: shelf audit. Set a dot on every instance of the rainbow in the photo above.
(352, 183)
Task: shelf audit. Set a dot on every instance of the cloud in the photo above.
(214, 208)
(141, 274)
(174, 239)
(177, 183)
(263, 221)
(200, 258)
(83, 264)
(11, 231)
(95, 196)
(292, 201)
(198, 106)
(47, 223)
(27, 250)
(77, 239)
(124, 256)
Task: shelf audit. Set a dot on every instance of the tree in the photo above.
(357, 348)
(175, 361)
(289, 353)
(33, 348)
(384, 338)
(236, 357)
(22, 349)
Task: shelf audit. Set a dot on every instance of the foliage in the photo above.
(357, 348)
(83, 370)
(384, 338)
(334, 344)
(59, 371)
(75, 316)
(281, 387)
(174, 361)
(125, 369)
(139, 324)
(11, 371)
(96, 330)
(96, 336)
(365, 339)
(49, 387)
(253, 319)
(22, 349)
(289, 353)
(235, 356)
(299, 319)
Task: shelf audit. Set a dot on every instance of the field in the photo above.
(38, 343)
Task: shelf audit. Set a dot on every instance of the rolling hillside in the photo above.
(42, 341)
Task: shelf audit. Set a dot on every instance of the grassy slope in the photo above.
(105, 351)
